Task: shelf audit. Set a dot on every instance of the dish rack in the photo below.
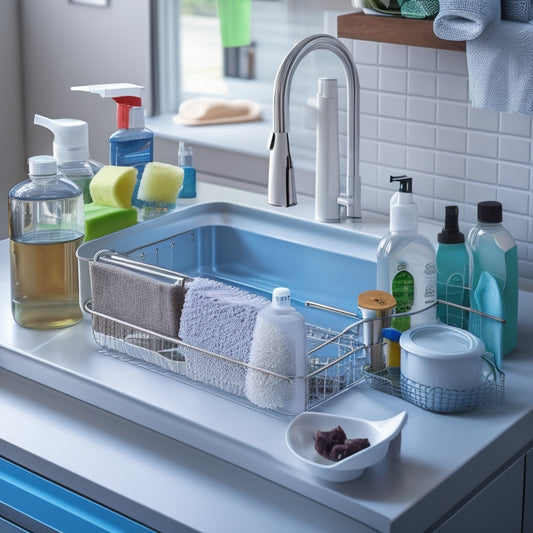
(489, 392)
(336, 359)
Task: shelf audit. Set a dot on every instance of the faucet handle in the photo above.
(281, 185)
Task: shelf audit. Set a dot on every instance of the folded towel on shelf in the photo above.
(500, 68)
(517, 10)
(219, 318)
(135, 298)
(462, 20)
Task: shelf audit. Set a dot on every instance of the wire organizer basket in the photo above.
(489, 392)
(335, 359)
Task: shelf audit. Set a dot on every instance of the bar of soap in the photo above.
(160, 183)
(112, 186)
(101, 220)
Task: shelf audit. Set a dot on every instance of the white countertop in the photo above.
(165, 452)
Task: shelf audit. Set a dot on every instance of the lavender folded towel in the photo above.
(219, 318)
(500, 68)
(462, 20)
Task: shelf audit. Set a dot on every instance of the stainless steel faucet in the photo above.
(281, 186)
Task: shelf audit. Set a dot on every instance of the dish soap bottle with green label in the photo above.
(406, 262)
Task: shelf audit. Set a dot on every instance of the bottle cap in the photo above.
(42, 165)
(281, 299)
(184, 155)
(489, 211)
(403, 210)
(328, 88)
(450, 234)
(71, 138)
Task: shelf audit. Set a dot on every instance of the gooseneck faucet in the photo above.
(281, 186)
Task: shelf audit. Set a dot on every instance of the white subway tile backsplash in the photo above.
(369, 150)
(451, 62)
(393, 155)
(422, 83)
(393, 80)
(422, 135)
(452, 87)
(421, 159)
(512, 175)
(448, 164)
(482, 119)
(421, 58)
(392, 55)
(515, 198)
(452, 114)
(369, 126)
(368, 77)
(482, 144)
(366, 53)
(369, 102)
(392, 130)
(421, 109)
(451, 190)
(515, 149)
(451, 140)
(514, 124)
(392, 105)
(478, 192)
(484, 170)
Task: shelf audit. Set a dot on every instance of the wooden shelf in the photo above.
(396, 30)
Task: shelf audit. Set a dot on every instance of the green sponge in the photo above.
(101, 220)
(113, 186)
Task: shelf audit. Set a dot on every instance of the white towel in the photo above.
(219, 318)
(517, 10)
(500, 68)
(462, 20)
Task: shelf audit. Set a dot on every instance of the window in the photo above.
(190, 59)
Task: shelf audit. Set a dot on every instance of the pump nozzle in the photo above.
(450, 234)
(130, 114)
(71, 138)
(406, 183)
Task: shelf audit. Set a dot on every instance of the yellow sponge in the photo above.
(160, 183)
(113, 186)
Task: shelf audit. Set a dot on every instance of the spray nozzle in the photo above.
(406, 183)
(71, 137)
(130, 114)
(450, 234)
(281, 299)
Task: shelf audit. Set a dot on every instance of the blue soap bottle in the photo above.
(453, 271)
(132, 145)
(188, 189)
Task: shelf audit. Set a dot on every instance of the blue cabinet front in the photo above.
(30, 502)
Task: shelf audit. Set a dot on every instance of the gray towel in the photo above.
(462, 20)
(134, 298)
(517, 10)
(500, 68)
(220, 319)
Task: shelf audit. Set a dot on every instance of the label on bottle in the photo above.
(403, 289)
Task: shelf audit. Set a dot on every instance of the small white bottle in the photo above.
(279, 346)
(406, 261)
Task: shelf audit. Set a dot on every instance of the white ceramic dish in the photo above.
(380, 433)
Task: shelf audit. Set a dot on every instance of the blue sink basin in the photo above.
(253, 249)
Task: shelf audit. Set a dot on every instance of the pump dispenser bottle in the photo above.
(71, 150)
(406, 261)
(494, 282)
(278, 345)
(46, 226)
(188, 189)
(132, 145)
(453, 271)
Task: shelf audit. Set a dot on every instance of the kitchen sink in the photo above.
(255, 249)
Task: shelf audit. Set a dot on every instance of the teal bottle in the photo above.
(453, 271)
(494, 284)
